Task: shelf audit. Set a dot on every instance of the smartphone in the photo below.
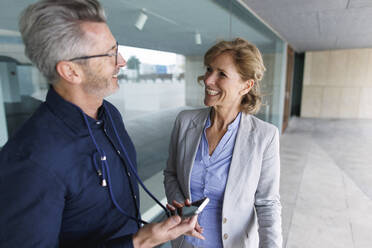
(195, 208)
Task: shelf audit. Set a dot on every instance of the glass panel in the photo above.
(152, 92)
(244, 24)
(155, 86)
(23, 89)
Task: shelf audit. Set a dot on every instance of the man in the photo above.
(68, 176)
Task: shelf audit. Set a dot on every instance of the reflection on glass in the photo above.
(155, 85)
(151, 93)
(23, 89)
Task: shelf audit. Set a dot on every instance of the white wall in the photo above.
(133, 99)
(15, 51)
(194, 90)
(338, 84)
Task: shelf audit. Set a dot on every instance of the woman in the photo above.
(225, 153)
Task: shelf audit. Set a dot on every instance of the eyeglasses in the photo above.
(101, 55)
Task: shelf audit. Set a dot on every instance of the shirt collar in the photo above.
(70, 113)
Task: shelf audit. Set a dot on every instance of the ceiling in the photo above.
(171, 25)
(309, 25)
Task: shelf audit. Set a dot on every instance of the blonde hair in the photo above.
(249, 64)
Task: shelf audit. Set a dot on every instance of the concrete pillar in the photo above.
(3, 125)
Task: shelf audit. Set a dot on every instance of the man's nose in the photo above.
(121, 61)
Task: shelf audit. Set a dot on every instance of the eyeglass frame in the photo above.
(101, 55)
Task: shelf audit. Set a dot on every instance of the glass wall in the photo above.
(152, 92)
(164, 58)
(22, 89)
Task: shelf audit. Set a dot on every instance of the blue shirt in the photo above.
(208, 179)
(50, 192)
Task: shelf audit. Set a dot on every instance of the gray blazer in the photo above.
(251, 213)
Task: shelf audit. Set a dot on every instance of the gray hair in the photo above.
(51, 31)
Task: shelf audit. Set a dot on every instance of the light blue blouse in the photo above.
(208, 179)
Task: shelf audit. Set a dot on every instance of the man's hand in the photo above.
(198, 230)
(157, 233)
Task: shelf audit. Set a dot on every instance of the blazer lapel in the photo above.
(244, 144)
(192, 140)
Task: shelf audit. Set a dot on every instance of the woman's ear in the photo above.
(70, 72)
(247, 86)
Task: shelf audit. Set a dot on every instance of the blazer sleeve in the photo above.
(267, 199)
(172, 187)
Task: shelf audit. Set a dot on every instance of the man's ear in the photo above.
(70, 72)
(247, 86)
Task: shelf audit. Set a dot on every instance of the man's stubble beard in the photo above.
(98, 85)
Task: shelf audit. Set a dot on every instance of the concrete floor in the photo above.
(326, 183)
